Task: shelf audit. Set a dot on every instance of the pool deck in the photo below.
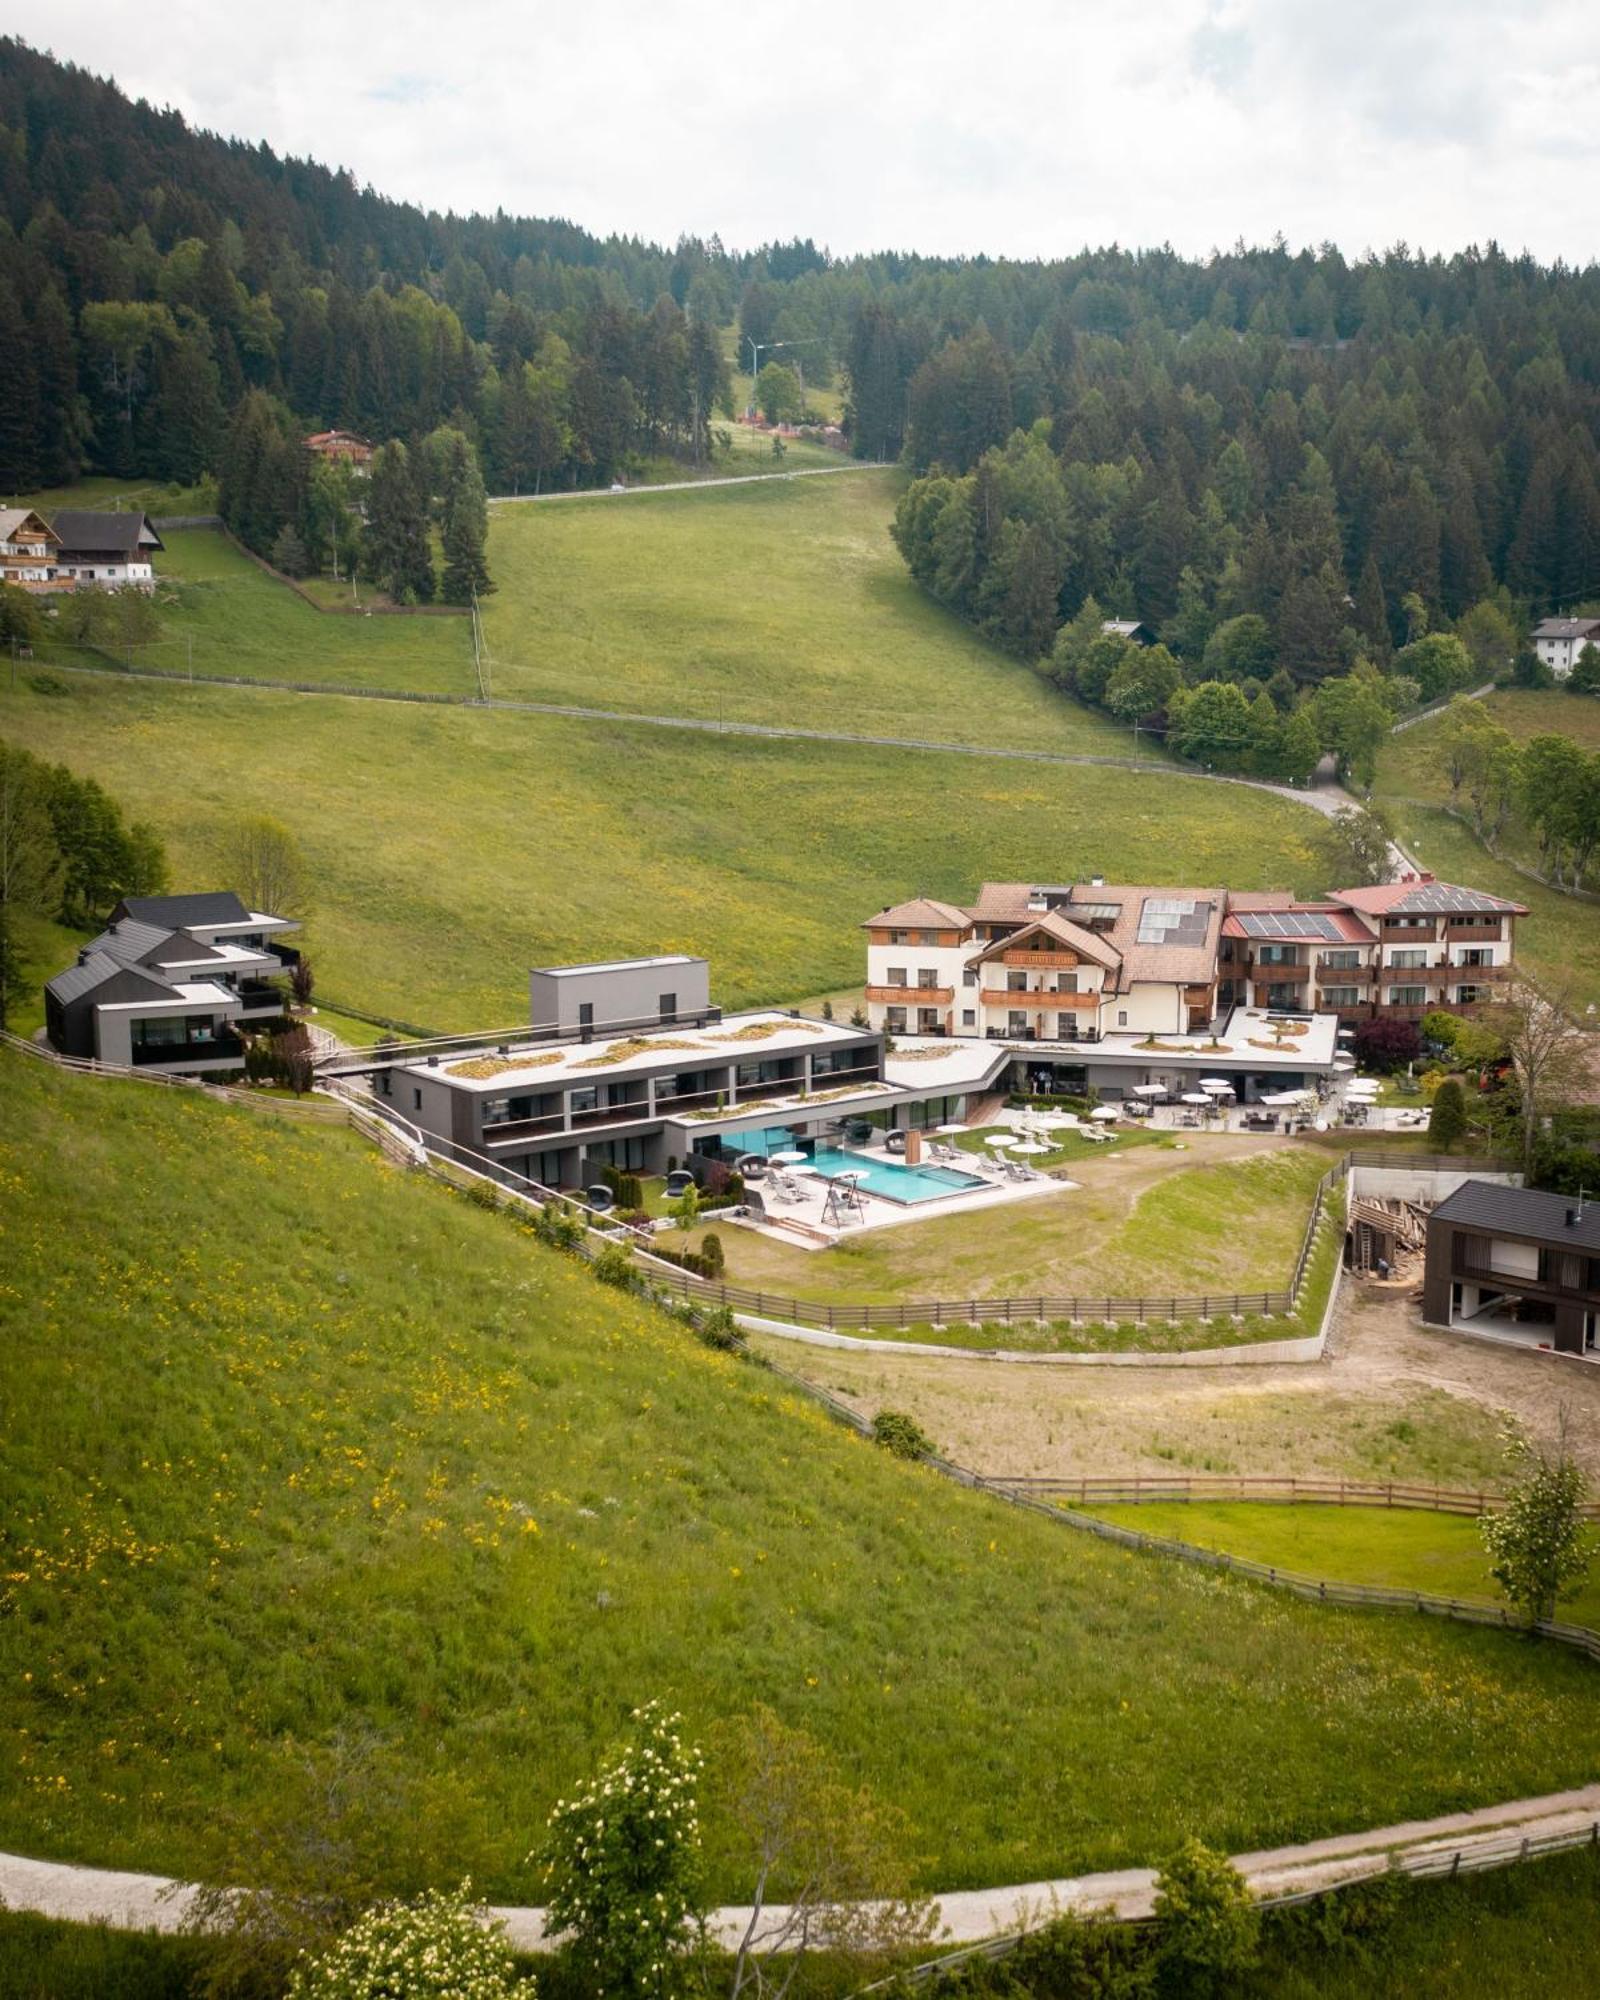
(800, 1222)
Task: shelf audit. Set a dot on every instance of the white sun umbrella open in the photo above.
(1105, 1114)
(1194, 1097)
(1030, 1146)
(943, 1130)
(790, 1159)
(1001, 1139)
(1281, 1100)
(1361, 1086)
(1215, 1083)
(1149, 1090)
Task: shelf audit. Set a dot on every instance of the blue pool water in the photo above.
(891, 1180)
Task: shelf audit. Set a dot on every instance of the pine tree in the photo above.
(466, 529)
(394, 550)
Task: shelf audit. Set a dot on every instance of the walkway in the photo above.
(129, 1901)
(687, 485)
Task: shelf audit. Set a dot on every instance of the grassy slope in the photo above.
(452, 848)
(1442, 1553)
(229, 617)
(1560, 936)
(778, 603)
(360, 1457)
(1140, 1221)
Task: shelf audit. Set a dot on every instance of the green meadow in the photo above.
(781, 603)
(450, 848)
(358, 1461)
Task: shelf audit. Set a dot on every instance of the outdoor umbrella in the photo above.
(1149, 1090)
(1030, 1146)
(1344, 1062)
(1194, 1097)
(1345, 1034)
(790, 1159)
(1215, 1083)
(998, 1139)
(1281, 1099)
(1105, 1114)
(943, 1129)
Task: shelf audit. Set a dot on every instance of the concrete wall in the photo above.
(1420, 1184)
(629, 993)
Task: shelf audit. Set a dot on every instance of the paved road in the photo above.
(685, 485)
(129, 1901)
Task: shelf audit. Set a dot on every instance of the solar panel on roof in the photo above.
(1180, 920)
(1288, 924)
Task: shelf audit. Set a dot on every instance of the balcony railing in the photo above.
(219, 1048)
(260, 999)
(1474, 933)
(912, 996)
(1278, 972)
(1040, 1000)
(512, 1131)
(285, 954)
(630, 1110)
(1053, 960)
(1343, 975)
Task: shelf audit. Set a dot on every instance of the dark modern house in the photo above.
(1515, 1261)
(169, 982)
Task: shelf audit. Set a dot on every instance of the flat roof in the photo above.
(617, 965)
(606, 1057)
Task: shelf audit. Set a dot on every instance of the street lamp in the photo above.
(757, 349)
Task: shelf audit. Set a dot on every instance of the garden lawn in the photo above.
(221, 614)
(1560, 937)
(450, 848)
(44, 949)
(1141, 1221)
(102, 493)
(297, 1448)
(780, 603)
(1394, 1546)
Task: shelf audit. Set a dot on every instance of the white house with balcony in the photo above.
(1559, 641)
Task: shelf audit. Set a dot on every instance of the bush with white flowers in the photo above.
(436, 1948)
(624, 1866)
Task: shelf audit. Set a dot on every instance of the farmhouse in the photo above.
(1129, 628)
(29, 549)
(108, 550)
(1515, 1261)
(1559, 641)
(340, 448)
(169, 982)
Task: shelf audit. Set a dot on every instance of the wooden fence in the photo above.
(1112, 1489)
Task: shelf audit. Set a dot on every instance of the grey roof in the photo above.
(1523, 1212)
(135, 943)
(99, 969)
(1566, 628)
(176, 913)
(81, 529)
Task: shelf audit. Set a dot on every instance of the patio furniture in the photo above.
(600, 1198)
(679, 1181)
(894, 1140)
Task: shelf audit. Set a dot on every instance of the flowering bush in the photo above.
(407, 1951)
(623, 1861)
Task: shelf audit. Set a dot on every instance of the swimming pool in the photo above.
(891, 1180)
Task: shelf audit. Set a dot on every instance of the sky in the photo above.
(1020, 127)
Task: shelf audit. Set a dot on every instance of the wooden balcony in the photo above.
(1344, 975)
(1476, 975)
(1455, 933)
(912, 996)
(1040, 1002)
(1267, 973)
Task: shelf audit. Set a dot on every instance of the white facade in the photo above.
(1559, 641)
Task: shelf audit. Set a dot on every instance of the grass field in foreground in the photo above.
(1560, 936)
(1399, 1547)
(785, 602)
(356, 1457)
(452, 848)
(102, 493)
(1141, 1221)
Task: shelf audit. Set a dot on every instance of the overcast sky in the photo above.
(1024, 127)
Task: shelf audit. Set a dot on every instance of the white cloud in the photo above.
(1030, 127)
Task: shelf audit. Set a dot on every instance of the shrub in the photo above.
(711, 1258)
(437, 1945)
(1387, 1045)
(559, 1226)
(901, 1434)
(1210, 1924)
(1447, 1121)
(623, 1863)
(613, 1266)
(483, 1194)
(718, 1328)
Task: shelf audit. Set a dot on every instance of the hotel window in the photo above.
(969, 977)
(1408, 961)
(927, 937)
(969, 1018)
(1016, 982)
(1341, 961)
(1122, 1017)
(1016, 1023)
(1066, 982)
(894, 1019)
(667, 1006)
(1408, 996)
(895, 976)
(1339, 996)
(585, 1013)
(927, 975)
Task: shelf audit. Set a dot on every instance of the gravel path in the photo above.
(129, 1901)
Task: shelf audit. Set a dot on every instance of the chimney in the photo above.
(83, 956)
(1097, 881)
(1574, 1215)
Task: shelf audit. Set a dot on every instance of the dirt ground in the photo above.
(1387, 1401)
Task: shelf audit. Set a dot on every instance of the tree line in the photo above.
(66, 854)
